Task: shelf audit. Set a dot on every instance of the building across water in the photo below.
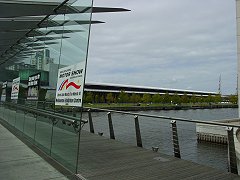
(117, 88)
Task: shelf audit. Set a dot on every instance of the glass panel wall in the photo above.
(43, 42)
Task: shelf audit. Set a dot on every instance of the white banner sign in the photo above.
(15, 88)
(70, 84)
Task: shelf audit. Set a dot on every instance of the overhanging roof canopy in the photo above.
(33, 8)
(20, 22)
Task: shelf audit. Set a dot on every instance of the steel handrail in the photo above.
(45, 113)
(63, 115)
(168, 118)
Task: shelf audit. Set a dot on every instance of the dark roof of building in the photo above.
(107, 87)
(21, 19)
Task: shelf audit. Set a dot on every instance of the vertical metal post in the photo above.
(176, 148)
(35, 129)
(138, 133)
(52, 131)
(24, 122)
(54, 108)
(15, 117)
(90, 121)
(232, 160)
(111, 130)
(74, 112)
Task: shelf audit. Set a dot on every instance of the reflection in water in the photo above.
(157, 132)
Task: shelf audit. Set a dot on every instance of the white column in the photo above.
(238, 48)
(237, 148)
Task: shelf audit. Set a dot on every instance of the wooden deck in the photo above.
(102, 158)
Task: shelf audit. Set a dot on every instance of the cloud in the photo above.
(172, 44)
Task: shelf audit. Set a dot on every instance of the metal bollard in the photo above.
(111, 130)
(90, 121)
(175, 140)
(138, 133)
(232, 160)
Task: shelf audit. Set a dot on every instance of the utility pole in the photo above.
(220, 85)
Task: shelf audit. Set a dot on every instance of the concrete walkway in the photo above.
(18, 161)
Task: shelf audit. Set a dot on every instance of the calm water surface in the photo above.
(157, 132)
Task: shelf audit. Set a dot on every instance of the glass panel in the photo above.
(29, 126)
(65, 145)
(6, 114)
(43, 133)
(20, 120)
(11, 116)
(1, 111)
(50, 106)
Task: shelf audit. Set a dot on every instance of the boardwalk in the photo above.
(102, 158)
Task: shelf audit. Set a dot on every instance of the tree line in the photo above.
(123, 97)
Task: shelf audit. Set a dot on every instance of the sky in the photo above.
(176, 44)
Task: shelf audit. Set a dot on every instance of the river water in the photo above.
(157, 132)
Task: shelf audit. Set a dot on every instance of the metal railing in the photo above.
(166, 117)
(232, 160)
(48, 130)
(55, 116)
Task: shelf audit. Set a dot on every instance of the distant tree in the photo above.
(176, 98)
(97, 98)
(193, 99)
(166, 98)
(233, 99)
(156, 98)
(217, 98)
(110, 98)
(102, 99)
(209, 99)
(135, 98)
(88, 97)
(123, 97)
(127, 98)
(146, 98)
(185, 98)
(115, 99)
(200, 99)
